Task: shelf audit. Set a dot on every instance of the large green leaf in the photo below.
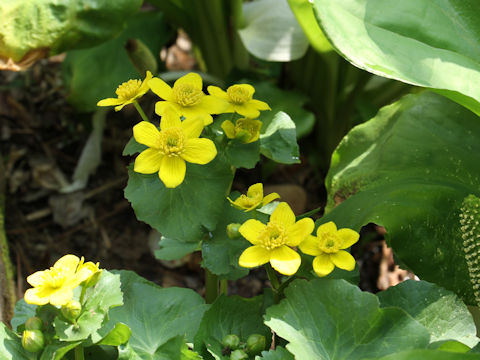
(430, 43)
(187, 212)
(11, 346)
(278, 354)
(428, 355)
(94, 74)
(53, 26)
(22, 312)
(410, 169)
(155, 315)
(333, 320)
(230, 315)
(279, 141)
(443, 314)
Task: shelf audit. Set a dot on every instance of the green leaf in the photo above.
(243, 155)
(117, 336)
(450, 346)
(171, 249)
(278, 354)
(443, 314)
(271, 32)
(59, 26)
(303, 11)
(58, 349)
(409, 169)
(428, 355)
(94, 74)
(133, 147)
(429, 43)
(279, 142)
(155, 315)
(230, 315)
(11, 346)
(332, 319)
(22, 312)
(188, 211)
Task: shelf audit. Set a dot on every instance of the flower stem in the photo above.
(82, 295)
(272, 276)
(79, 353)
(140, 111)
(211, 286)
(309, 213)
(224, 287)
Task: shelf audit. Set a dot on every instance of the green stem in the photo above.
(309, 213)
(224, 287)
(211, 286)
(82, 295)
(79, 353)
(272, 276)
(140, 111)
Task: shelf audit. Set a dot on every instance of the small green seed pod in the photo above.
(33, 340)
(232, 231)
(238, 355)
(256, 344)
(231, 341)
(71, 310)
(34, 323)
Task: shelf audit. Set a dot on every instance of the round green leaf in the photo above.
(332, 319)
(430, 43)
(279, 141)
(278, 354)
(429, 355)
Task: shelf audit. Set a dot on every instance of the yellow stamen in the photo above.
(238, 94)
(128, 90)
(54, 278)
(172, 142)
(330, 243)
(187, 95)
(273, 236)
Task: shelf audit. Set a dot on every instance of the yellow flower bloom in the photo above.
(55, 285)
(254, 198)
(239, 99)
(327, 247)
(176, 142)
(245, 130)
(127, 93)
(187, 98)
(272, 242)
(93, 270)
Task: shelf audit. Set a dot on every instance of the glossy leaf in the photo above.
(243, 155)
(278, 354)
(409, 169)
(279, 141)
(22, 312)
(11, 346)
(332, 319)
(171, 249)
(429, 355)
(429, 43)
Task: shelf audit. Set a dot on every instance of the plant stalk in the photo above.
(211, 286)
(79, 355)
(140, 111)
(272, 276)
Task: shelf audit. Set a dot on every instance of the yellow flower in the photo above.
(93, 271)
(187, 98)
(176, 142)
(239, 99)
(127, 93)
(55, 285)
(245, 130)
(272, 242)
(327, 247)
(254, 198)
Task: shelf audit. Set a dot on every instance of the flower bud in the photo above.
(34, 323)
(231, 341)
(71, 310)
(33, 340)
(256, 344)
(232, 231)
(238, 355)
(141, 56)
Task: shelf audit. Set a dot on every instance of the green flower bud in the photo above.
(141, 56)
(34, 323)
(33, 340)
(231, 341)
(256, 344)
(232, 231)
(71, 310)
(238, 355)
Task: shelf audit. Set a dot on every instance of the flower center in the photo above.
(246, 125)
(187, 95)
(54, 278)
(172, 141)
(329, 243)
(128, 90)
(238, 94)
(250, 201)
(273, 236)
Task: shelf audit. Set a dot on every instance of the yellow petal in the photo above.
(255, 190)
(269, 198)
(160, 88)
(192, 128)
(247, 110)
(170, 118)
(299, 231)
(37, 296)
(322, 265)
(251, 229)
(196, 112)
(309, 246)
(283, 215)
(285, 260)
(120, 107)
(216, 91)
(260, 105)
(327, 228)
(110, 102)
(36, 279)
(162, 106)
(343, 260)
(192, 79)
(199, 151)
(254, 256)
(61, 296)
(146, 133)
(145, 87)
(348, 236)
(148, 161)
(214, 105)
(229, 129)
(67, 263)
(172, 171)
